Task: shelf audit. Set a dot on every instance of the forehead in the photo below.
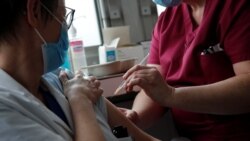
(61, 6)
(61, 3)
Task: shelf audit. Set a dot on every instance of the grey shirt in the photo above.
(25, 118)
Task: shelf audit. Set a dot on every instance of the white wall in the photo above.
(160, 9)
(86, 21)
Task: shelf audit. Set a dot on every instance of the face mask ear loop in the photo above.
(45, 44)
(51, 13)
(41, 37)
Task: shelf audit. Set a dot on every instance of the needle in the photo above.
(124, 82)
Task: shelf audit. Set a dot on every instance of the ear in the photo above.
(33, 12)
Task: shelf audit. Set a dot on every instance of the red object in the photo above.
(178, 45)
(77, 46)
(76, 43)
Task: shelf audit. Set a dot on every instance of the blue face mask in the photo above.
(54, 54)
(167, 3)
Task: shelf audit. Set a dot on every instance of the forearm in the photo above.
(227, 97)
(81, 94)
(116, 118)
(148, 111)
(86, 126)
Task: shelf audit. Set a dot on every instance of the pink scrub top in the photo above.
(192, 55)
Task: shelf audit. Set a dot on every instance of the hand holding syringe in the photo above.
(124, 82)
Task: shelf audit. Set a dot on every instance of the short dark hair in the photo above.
(12, 10)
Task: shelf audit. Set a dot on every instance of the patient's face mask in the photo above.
(54, 54)
(167, 3)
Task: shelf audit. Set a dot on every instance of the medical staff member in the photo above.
(199, 68)
(34, 42)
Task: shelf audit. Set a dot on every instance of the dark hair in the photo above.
(12, 10)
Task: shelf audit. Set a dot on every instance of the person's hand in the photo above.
(130, 114)
(79, 88)
(151, 81)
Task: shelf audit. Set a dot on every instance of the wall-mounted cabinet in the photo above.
(139, 15)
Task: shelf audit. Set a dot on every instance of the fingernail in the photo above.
(124, 76)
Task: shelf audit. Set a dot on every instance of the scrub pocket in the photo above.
(216, 66)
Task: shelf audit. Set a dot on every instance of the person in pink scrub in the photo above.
(198, 69)
(35, 103)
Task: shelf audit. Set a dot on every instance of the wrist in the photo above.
(170, 98)
(76, 99)
(79, 106)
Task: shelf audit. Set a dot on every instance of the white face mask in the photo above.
(168, 3)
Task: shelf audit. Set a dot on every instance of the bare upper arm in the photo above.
(242, 67)
(116, 118)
